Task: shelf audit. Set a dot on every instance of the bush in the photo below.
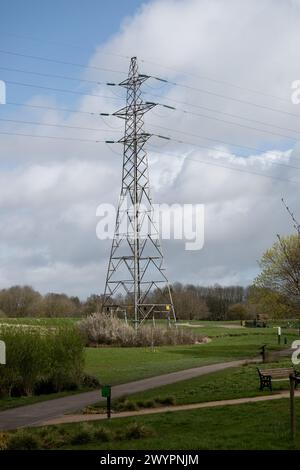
(127, 406)
(23, 440)
(90, 381)
(100, 328)
(166, 400)
(137, 431)
(237, 312)
(3, 441)
(41, 360)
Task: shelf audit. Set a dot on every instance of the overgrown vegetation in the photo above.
(41, 360)
(100, 328)
(127, 404)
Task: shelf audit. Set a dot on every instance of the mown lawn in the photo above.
(120, 365)
(228, 384)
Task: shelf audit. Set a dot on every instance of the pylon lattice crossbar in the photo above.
(135, 272)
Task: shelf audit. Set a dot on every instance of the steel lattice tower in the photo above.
(135, 267)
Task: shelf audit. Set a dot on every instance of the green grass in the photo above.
(250, 426)
(120, 365)
(232, 383)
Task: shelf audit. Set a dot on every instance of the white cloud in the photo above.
(49, 190)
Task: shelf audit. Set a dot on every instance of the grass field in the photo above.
(120, 365)
(114, 365)
(233, 383)
(249, 426)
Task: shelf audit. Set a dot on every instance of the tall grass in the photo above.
(40, 360)
(100, 328)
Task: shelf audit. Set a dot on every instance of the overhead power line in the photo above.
(265, 131)
(61, 43)
(150, 61)
(51, 137)
(215, 80)
(61, 62)
(47, 124)
(230, 168)
(55, 108)
(61, 90)
(63, 77)
(239, 100)
(192, 144)
(171, 107)
(71, 139)
(258, 150)
(237, 116)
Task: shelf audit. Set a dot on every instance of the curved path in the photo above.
(78, 418)
(39, 413)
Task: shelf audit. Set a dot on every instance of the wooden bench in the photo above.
(267, 376)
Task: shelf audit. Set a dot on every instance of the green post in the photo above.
(106, 393)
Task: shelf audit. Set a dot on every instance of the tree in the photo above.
(93, 304)
(58, 305)
(237, 312)
(270, 303)
(281, 271)
(18, 301)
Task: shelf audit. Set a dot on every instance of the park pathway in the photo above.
(39, 413)
(77, 418)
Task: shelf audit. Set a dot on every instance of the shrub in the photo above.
(147, 404)
(137, 431)
(90, 381)
(23, 440)
(100, 328)
(3, 441)
(166, 400)
(128, 406)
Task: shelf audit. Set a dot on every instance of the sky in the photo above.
(236, 61)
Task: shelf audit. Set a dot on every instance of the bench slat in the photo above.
(284, 372)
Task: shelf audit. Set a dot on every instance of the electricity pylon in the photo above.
(135, 267)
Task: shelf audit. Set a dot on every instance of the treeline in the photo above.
(191, 302)
(207, 303)
(24, 301)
